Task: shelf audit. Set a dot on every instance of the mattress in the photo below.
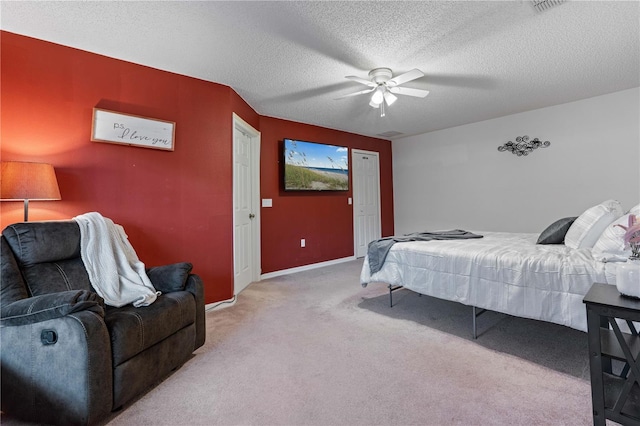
(503, 272)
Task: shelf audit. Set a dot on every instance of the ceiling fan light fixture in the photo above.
(390, 98)
(378, 96)
(385, 87)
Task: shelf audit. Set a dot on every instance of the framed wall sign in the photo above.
(127, 129)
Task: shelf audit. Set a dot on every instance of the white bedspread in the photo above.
(504, 272)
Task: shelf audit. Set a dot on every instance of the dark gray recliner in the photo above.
(65, 357)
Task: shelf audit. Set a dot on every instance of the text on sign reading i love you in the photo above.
(126, 129)
(133, 135)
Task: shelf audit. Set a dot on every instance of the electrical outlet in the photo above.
(303, 243)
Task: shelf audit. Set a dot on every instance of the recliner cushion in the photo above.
(40, 242)
(49, 253)
(133, 330)
(64, 275)
(12, 285)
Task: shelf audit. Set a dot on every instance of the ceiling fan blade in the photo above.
(418, 93)
(362, 92)
(361, 81)
(403, 78)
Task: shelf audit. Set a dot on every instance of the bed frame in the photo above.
(476, 312)
(502, 272)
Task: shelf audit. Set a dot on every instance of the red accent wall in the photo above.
(323, 219)
(175, 206)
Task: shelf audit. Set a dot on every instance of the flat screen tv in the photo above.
(311, 166)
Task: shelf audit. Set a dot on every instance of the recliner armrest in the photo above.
(58, 371)
(169, 278)
(49, 306)
(195, 286)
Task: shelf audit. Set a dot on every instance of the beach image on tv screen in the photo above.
(315, 167)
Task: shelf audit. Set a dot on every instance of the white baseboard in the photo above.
(306, 267)
(222, 304)
(215, 306)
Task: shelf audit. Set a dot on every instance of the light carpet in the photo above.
(315, 348)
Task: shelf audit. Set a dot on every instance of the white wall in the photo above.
(457, 178)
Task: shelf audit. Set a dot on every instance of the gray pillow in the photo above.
(554, 234)
(168, 278)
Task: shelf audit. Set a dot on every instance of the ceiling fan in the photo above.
(384, 87)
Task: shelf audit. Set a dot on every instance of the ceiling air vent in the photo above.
(542, 5)
(390, 134)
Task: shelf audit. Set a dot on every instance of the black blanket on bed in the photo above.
(377, 250)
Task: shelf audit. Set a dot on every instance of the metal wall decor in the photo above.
(523, 146)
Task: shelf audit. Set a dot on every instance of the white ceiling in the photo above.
(288, 59)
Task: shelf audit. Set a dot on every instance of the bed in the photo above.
(503, 272)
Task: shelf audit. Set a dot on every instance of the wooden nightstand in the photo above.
(614, 396)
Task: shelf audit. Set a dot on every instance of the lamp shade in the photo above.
(28, 181)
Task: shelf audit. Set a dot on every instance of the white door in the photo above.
(366, 199)
(246, 217)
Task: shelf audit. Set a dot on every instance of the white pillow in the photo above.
(610, 245)
(588, 227)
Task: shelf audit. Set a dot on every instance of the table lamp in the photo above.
(28, 181)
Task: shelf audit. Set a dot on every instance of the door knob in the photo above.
(251, 215)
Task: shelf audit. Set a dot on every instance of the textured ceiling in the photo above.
(288, 59)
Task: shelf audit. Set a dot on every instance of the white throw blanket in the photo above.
(114, 269)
